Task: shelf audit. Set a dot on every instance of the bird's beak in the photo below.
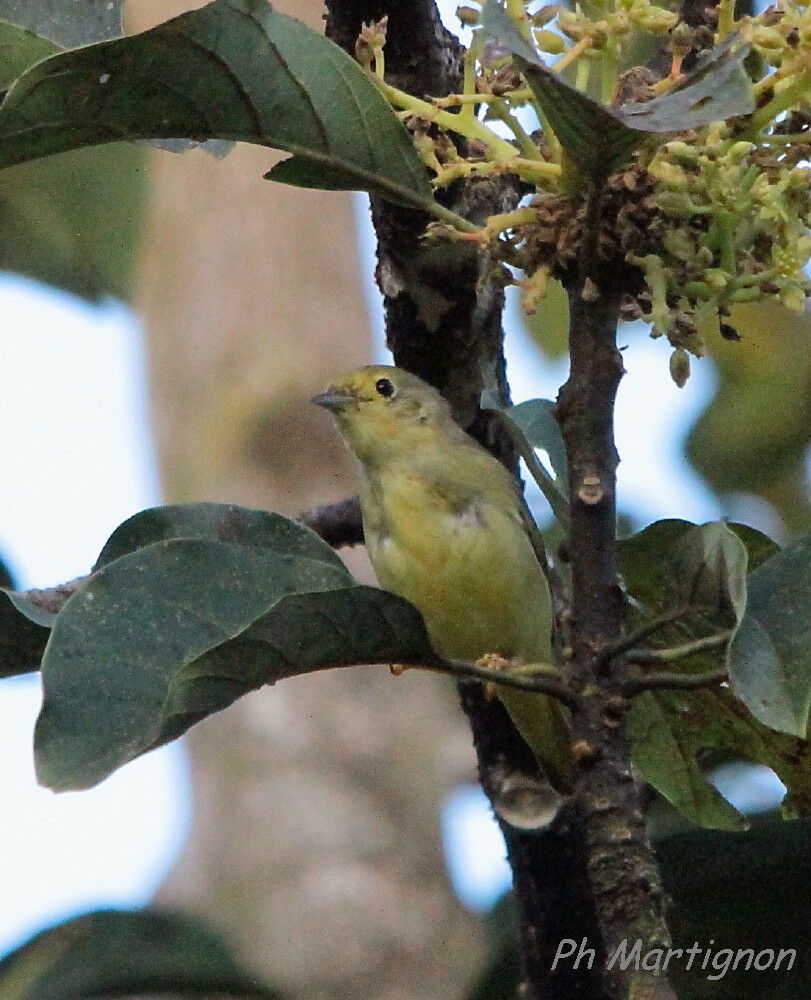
(333, 399)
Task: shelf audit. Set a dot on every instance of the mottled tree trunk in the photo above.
(314, 840)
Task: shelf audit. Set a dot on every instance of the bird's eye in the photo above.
(384, 387)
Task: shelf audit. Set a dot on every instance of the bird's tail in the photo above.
(543, 722)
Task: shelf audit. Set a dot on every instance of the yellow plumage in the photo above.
(447, 529)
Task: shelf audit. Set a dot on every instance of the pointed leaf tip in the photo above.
(599, 139)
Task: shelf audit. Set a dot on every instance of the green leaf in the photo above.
(301, 633)
(19, 49)
(68, 24)
(120, 639)
(188, 609)
(22, 641)
(759, 547)
(73, 220)
(717, 89)
(536, 419)
(126, 953)
(770, 659)
(709, 568)
(234, 70)
(595, 139)
(753, 435)
(672, 733)
(598, 138)
(667, 761)
(219, 522)
(531, 425)
(548, 326)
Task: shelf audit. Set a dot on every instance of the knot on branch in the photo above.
(590, 489)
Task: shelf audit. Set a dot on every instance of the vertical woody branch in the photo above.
(443, 316)
(621, 868)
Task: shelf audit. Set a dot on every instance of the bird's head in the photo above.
(385, 413)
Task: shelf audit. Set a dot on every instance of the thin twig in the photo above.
(338, 524)
(541, 682)
(671, 653)
(613, 649)
(546, 483)
(676, 682)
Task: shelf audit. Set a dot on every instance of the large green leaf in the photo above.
(120, 639)
(19, 49)
(770, 659)
(73, 220)
(598, 138)
(22, 641)
(124, 953)
(189, 608)
(220, 522)
(66, 22)
(673, 732)
(301, 633)
(666, 758)
(235, 69)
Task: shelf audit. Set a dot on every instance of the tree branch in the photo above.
(633, 686)
(541, 682)
(627, 891)
(626, 642)
(338, 524)
(671, 653)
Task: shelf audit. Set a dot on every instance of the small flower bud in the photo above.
(767, 38)
(668, 173)
(676, 203)
(681, 151)
(549, 41)
(678, 243)
(680, 366)
(716, 278)
(738, 150)
(656, 20)
(468, 15)
(546, 14)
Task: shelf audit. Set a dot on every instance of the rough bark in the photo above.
(623, 879)
(314, 841)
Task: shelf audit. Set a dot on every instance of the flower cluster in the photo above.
(739, 218)
(695, 221)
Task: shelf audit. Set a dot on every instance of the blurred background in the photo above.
(166, 318)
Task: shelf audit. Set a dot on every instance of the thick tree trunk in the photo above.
(314, 838)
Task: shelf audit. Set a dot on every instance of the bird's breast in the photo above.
(467, 565)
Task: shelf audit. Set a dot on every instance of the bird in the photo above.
(446, 528)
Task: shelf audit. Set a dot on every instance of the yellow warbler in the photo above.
(447, 529)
